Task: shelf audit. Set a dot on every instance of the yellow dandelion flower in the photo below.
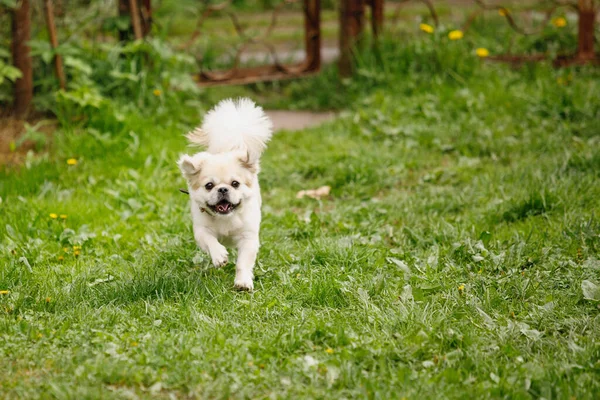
(53, 216)
(76, 253)
(63, 216)
(4, 291)
(48, 299)
(134, 344)
(61, 258)
(297, 275)
(455, 34)
(329, 351)
(426, 28)
(76, 248)
(156, 92)
(72, 161)
(559, 22)
(39, 335)
(461, 287)
(503, 12)
(66, 250)
(482, 52)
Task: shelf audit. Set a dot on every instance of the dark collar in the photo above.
(202, 209)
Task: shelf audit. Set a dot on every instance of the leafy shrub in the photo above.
(107, 80)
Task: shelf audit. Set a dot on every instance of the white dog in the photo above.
(223, 183)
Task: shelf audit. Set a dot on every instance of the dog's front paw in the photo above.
(219, 256)
(243, 281)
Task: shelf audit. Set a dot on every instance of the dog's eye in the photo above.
(209, 186)
(235, 184)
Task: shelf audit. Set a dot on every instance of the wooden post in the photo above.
(312, 33)
(134, 12)
(123, 7)
(146, 12)
(21, 33)
(58, 66)
(376, 16)
(352, 20)
(585, 50)
(140, 18)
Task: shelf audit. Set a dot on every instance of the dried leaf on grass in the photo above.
(314, 193)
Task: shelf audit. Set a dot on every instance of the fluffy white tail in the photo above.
(234, 125)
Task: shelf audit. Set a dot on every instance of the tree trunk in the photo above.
(21, 33)
(58, 66)
(140, 17)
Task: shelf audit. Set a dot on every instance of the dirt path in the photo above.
(328, 55)
(14, 147)
(296, 120)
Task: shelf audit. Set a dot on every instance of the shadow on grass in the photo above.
(173, 280)
(537, 203)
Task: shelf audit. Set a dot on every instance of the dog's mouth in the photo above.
(223, 207)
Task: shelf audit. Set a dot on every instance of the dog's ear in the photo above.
(248, 162)
(189, 166)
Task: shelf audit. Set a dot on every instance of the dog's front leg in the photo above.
(209, 243)
(247, 251)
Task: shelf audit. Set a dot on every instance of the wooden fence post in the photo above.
(134, 12)
(587, 15)
(376, 16)
(21, 33)
(146, 12)
(352, 21)
(312, 33)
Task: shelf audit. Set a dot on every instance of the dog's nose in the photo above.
(223, 190)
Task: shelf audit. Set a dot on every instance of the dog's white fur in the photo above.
(235, 134)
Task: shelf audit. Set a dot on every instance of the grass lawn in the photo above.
(457, 256)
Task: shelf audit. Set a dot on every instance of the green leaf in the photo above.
(8, 3)
(124, 76)
(9, 72)
(43, 49)
(485, 236)
(591, 291)
(12, 73)
(78, 65)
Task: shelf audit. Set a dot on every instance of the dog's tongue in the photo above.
(223, 207)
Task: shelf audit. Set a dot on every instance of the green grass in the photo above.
(448, 261)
